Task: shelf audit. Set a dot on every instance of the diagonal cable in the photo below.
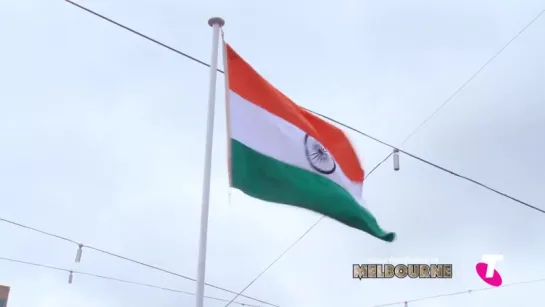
(349, 127)
(463, 292)
(413, 156)
(319, 114)
(467, 82)
(474, 75)
(115, 279)
(125, 258)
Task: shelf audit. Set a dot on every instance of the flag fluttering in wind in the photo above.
(281, 153)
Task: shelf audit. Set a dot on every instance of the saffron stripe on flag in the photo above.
(247, 83)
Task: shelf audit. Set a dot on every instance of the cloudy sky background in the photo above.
(102, 141)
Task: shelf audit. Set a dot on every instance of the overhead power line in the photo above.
(403, 143)
(462, 292)
(319, 114)
(474, 75)
(286, 250)
(466, 83)
(142, 35)
(81, 245)
(347, 126)
(116, 279)
(442, 168)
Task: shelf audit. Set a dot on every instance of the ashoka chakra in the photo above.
(318, 156)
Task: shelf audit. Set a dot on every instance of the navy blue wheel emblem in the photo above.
(318, 156)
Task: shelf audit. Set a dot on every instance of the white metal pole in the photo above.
(216, 23)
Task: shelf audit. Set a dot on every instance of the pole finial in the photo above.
(216, 21)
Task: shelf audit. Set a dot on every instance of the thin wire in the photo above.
(38, 230)
(465, 83)
(290, 247)
(473, 76)
(343, 125)
(116, 279)
(278, 258)
(462, 292)
(411, 155)
(442, 168)
(319, 114)
(142, 35)
(376, 166)
(129, 259)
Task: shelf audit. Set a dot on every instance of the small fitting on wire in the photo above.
(78, 253)
(396, 159)
(70, 276)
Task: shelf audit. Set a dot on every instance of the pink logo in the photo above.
(487, 272)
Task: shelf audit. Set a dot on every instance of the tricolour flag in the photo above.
(4, 293)
(281, 153)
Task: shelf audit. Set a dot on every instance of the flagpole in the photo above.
(216, 23)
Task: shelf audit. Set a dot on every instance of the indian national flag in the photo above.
(281, 153)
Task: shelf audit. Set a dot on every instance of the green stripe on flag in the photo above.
(271, 180)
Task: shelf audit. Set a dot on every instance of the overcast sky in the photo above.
(102, 141)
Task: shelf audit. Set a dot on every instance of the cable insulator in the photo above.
(78, 253)
(396, 159)
(70, 277)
